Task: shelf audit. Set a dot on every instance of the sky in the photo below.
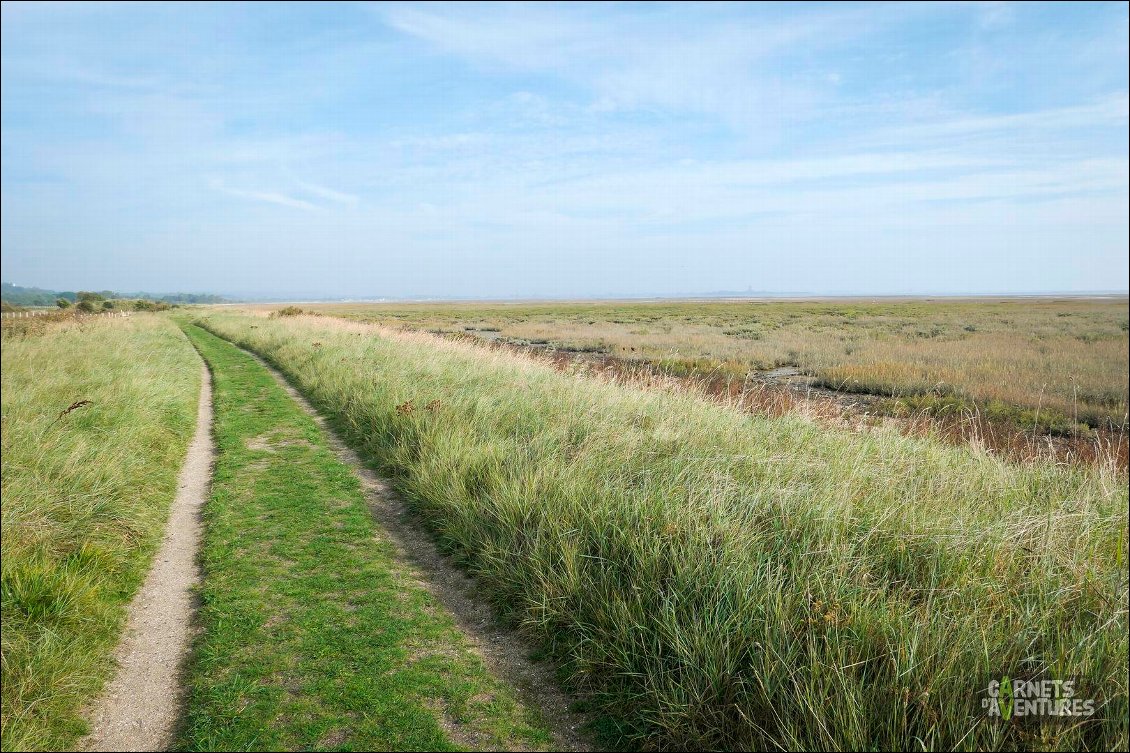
(584, 150)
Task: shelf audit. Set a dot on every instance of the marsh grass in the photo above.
(1026, 435)
(96, 419)
(1067, 356)
(714, 579)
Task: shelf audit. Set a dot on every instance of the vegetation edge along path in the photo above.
(98, 417)
(317, 632)
(139, 708)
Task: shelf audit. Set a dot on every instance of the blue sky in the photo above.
(576, 150)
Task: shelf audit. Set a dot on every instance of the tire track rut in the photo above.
(139, 708)
(502, 649)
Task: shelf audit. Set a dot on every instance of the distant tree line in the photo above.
(14, 296)
(89, 302)
(182, 297)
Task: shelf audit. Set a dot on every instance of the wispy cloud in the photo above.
(718, 60)
(1112, 111)
(269, 197)
(328, 193)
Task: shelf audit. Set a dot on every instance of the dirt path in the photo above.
(503, 651)
(139, 708)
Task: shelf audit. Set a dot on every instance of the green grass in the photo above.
(313, 637)
(719, 580)
(85, 499)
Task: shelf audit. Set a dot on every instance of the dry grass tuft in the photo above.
(73, 407)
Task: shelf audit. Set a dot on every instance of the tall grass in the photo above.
(86, 490)
(1066, 356)
(715, 579)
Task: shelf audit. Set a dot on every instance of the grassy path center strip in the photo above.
(313, 636)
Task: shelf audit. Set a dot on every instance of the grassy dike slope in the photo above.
(313, 638)
(720, 580)
(85, 499)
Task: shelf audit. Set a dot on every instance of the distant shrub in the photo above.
(63, 303)
(90, 297)
(293, 311)
(746, 333)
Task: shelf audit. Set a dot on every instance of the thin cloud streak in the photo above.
(328, 193)
(266, 196)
